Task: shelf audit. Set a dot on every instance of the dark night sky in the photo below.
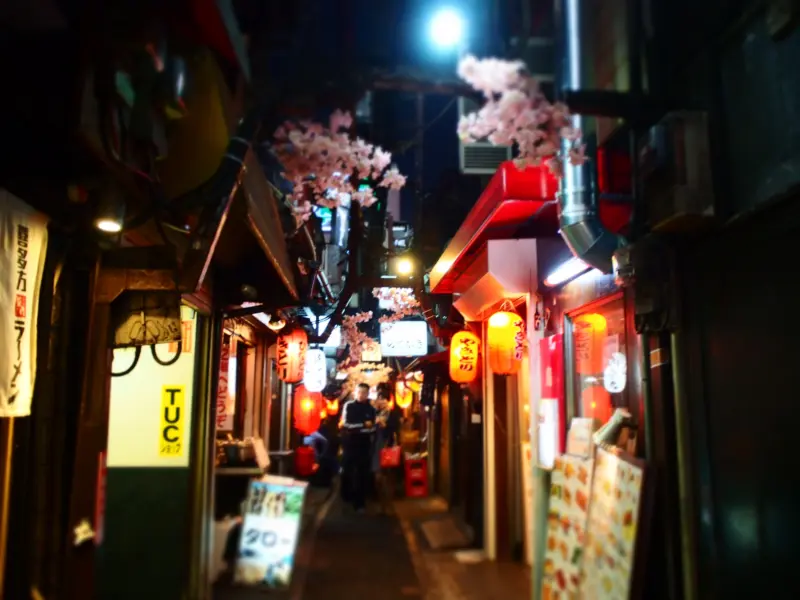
(394, 33)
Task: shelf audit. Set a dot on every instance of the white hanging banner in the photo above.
(315, 375)
(23, 244)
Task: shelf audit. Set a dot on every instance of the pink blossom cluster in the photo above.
(355, 339)
(370, 373)
(516, 112)
(402, 303)
(323, 162)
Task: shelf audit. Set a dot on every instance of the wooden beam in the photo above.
(112, 282)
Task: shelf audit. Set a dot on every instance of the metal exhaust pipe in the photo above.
(579, 219)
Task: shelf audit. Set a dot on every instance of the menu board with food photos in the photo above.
(611, 533)
(570, 489)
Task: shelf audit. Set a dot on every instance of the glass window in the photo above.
(600, 362)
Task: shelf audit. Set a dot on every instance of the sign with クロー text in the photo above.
(173, 413)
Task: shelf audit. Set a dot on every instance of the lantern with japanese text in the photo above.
(589, 334)
(464, 357)
(292, 356)
(506, 342)
(315, 374)
(308, 407)
(403, 395)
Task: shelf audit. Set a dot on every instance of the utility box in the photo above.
(675, 168)
(482, 157)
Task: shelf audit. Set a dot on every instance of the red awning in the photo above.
(512, 196)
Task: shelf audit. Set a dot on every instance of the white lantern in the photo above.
(315, 375)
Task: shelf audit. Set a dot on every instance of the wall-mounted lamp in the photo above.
(110, 212)
(566, 271)
(276, 323)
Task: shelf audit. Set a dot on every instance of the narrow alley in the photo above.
(343, 555)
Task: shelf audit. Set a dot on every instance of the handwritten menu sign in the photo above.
(270, 530)
(608, 560)
(566, 527)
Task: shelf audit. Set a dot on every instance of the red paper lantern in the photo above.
(506, 342)
(291, 361)
(307, 410)
(464, 351)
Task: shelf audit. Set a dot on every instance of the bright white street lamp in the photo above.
(447, 28)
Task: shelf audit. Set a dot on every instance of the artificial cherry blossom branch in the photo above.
(517, 113)
(355, 339)
(323, 162)
(402, 303)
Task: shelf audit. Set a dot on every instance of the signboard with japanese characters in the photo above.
(612, 532)
(226, 389)
(172, 443)
(404, 338)
(23, 244)
(272, 516)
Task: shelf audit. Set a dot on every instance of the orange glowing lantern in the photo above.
(596, 403)
(308, 408)
(332, 406)
(403, 395)
(414, 381)
(506, 342)
(464, 357)
(589, 334)
(291, 361)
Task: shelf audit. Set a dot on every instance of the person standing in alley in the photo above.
(387, 428)
(358, 425)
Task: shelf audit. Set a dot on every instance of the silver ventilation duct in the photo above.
(579, 218)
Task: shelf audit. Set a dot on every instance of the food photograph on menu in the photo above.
(567, 517)
(611, 533)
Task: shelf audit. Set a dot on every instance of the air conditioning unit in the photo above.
(675, 167)
(479, 158)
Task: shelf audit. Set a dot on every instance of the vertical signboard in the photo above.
(23, 244)
(271, 526)
(173, 414)
(225, 388)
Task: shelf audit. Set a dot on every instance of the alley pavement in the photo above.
(347, 556)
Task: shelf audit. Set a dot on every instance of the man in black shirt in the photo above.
(358, 425)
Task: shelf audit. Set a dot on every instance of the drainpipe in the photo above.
(579, 219)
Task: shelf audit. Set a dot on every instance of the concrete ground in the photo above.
(450, 573)
(412, 554)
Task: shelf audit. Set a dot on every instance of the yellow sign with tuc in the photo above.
(171, 443)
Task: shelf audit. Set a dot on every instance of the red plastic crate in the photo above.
(416, 478)
(304, 461)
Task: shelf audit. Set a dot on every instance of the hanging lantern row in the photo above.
(315, 373)
(403, 395)
(464, 353)
(292, 348)
(308, 409)
(506, 342)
